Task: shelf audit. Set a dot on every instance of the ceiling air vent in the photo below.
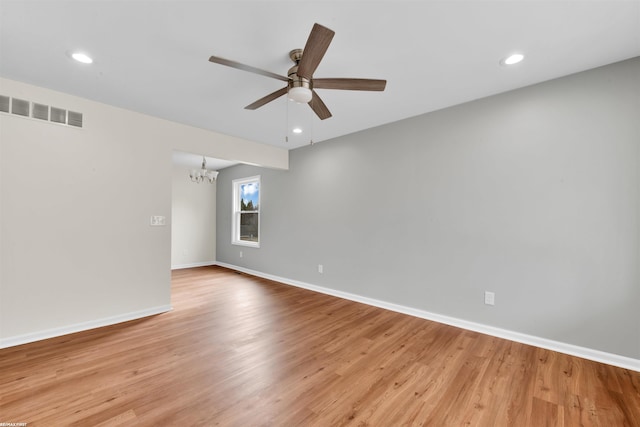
(40, 111)
(5, 102)
(20, 107)
(58, 115)
(74, 119)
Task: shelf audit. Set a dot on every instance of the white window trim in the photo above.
(235, 214)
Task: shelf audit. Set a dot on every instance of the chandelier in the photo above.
(203, 175)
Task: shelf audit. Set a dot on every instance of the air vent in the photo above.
(74, 119)
(5, 102)
(58, 115)
(40, 111)
(20, 107)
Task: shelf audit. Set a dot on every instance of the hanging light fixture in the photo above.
(203, 174)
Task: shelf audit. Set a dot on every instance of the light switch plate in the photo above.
(157, 220)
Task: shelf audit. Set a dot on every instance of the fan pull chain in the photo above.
(286, 131)
(310, 128)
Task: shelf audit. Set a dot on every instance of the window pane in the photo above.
(249, 227)
(246, 212)
(249, 196)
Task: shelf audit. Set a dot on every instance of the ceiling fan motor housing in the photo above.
(296, 81)
(300, 89)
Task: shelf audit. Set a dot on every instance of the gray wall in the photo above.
(531, 194)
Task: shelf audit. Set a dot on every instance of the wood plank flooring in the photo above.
(242, 351)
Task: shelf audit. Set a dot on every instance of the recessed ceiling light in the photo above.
(297, 130)
(512, 59)
(81, 57)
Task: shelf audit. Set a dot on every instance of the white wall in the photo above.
(76, 247)
(533, 194)
(193, 221)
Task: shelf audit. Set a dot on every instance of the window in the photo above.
(246, 212)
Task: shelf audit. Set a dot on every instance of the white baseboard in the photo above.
(78, 327)
(573, 350)
(193, 264)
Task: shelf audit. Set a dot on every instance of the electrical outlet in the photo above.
(320, 269)
(240, 254)
(489, 298)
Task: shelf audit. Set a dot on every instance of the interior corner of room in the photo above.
(528, 200)
(513, 213)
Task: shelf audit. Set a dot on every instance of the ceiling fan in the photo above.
(300, 82)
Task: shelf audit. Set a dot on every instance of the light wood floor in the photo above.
(243, 351)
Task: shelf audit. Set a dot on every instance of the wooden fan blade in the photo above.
(317, 45)
(249, 68)
(350, 84)
(264, 100)
(318, 107)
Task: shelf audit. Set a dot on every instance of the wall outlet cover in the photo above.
(489, 298)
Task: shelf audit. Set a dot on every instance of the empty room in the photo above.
(278, 213)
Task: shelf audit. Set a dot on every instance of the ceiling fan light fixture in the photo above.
(300, 94)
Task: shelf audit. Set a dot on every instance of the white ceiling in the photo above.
(152, 56)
